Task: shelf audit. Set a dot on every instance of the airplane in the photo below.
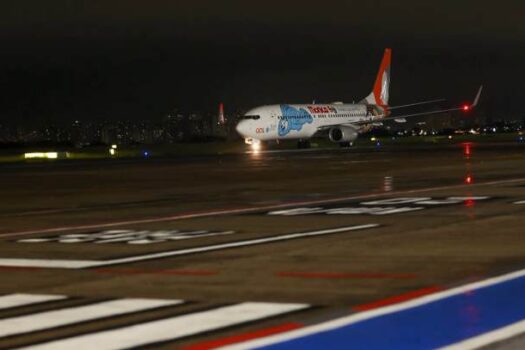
(344, 122)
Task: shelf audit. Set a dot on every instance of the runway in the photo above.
(263, 246)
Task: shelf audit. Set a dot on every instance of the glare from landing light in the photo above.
(45, 155)
(256, 146)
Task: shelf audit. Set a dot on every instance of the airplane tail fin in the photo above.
(380, 93)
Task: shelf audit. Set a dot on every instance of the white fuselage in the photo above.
(301, 121)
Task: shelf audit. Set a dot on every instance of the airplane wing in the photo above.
(465, 108)
(329, 126)
(416, 104)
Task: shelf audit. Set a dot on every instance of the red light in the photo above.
(469, 203)
(469, 179)
(466, 108)
(466, 149)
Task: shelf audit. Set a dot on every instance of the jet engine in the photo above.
(342, 134)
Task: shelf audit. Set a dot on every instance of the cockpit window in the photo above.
(254, 117)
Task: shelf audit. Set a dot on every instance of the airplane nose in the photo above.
(242, 127)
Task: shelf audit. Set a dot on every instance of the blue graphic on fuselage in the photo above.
(293, 119)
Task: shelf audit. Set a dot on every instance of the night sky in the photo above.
(115, 60)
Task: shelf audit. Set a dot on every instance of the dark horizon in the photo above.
(129, 60)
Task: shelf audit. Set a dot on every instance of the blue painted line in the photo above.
(429, 326)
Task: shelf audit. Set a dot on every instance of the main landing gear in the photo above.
(303, 144)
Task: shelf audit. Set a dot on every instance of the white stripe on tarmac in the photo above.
(171, 328)
(250, 242)
(79, 264)
(15, 300)
(246, 210)
(363, 316)
(498, 335)
(49, 264)
(519, 202)
(50, 319)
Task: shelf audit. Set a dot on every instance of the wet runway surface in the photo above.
(233, 248)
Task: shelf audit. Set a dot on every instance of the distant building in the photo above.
(109, 135)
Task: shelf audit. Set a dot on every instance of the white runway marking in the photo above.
(127, 236)
(171, 328)
(57, 318)
(78, 264)
(15, 300)
(519, 202)
(388, 206)
(254, 209)
(49, 263)
(363, 316)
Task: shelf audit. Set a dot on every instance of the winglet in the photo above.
(476, 100)
(221, 120)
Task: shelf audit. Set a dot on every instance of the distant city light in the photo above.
(113, 146)
(112, 151)
(44, 155)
